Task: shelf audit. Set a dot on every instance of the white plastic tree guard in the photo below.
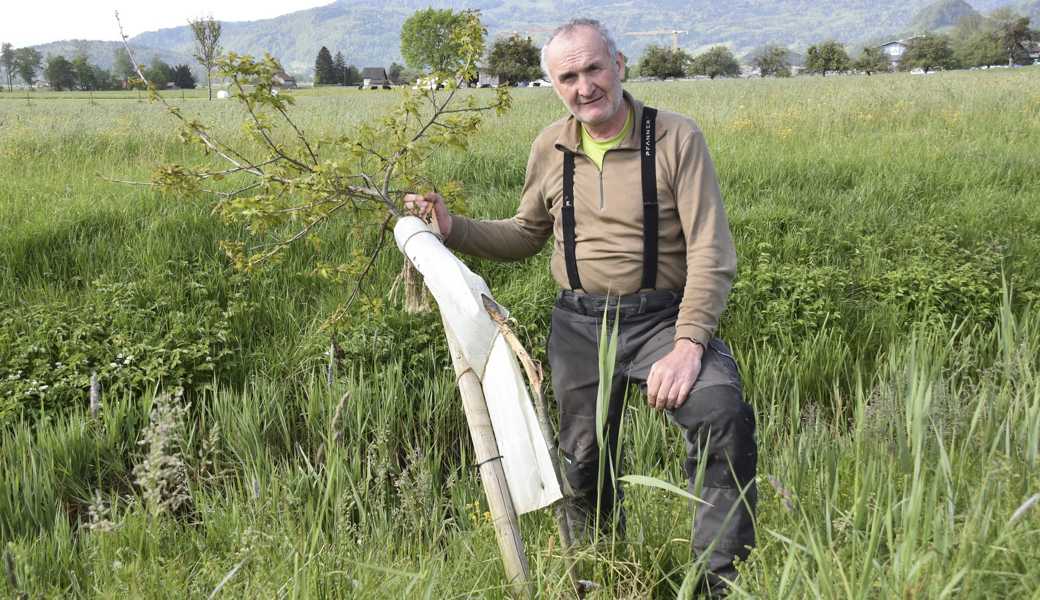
(457, 290)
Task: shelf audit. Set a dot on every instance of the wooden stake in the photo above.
(95, 396)
(492, 474)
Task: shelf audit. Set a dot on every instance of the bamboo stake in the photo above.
(534, 380)
(492, 474)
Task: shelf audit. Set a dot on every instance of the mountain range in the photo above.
(368, 33)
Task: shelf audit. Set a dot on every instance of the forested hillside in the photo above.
(941, 15)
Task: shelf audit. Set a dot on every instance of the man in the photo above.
(631, 196)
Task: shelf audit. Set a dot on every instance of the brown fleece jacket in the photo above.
(695, 248)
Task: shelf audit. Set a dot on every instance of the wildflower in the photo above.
(162, 474)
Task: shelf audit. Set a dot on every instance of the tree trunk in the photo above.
(416, 300)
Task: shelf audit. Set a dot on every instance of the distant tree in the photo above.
(871, 60)
(159, 73)
(828, 57)
(514, 59)
(206, 32)
(26, 62)
(773, 60)
(339, 69)
(394, 72)
(929, 52)
(122, 68)
(1012, 31)
(86, 74)
(183, 77)
(103, 79)
(410, 75)
(353, 76)
(663, 63)
(324, 68)
(979, 49)
(59, 73)
(717, 61)
(429, 40)
(8, 61)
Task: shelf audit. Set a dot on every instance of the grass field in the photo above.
(884, 318)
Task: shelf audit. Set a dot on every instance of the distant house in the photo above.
(895, 50)
(284, 80)
(374, 78)
(486, 78)
(1033, 50)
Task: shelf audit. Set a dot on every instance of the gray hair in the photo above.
(568, 28)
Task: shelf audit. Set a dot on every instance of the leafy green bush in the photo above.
(132, 337)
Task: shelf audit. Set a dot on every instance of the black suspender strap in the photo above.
(647, 150)
(569, 243)
(649, 174)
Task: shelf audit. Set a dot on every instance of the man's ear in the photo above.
(621, 65)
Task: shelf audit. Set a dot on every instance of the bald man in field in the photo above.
(631, 198)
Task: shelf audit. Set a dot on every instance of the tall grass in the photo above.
(893, 373)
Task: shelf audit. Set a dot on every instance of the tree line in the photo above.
(329, 70)
(428, 47)
(976, 41)
(80, 74)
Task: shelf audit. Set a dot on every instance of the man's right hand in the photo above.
(431, 203)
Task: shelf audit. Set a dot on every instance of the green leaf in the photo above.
(607, 360)
(654, 482)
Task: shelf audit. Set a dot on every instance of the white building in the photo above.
(895, 50)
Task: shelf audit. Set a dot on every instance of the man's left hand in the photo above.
(672, 377)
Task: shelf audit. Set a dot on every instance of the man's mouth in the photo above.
(593, 101)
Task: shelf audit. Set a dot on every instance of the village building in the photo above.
(895, 50)
(1032, 50)
(284, 80)
(374, 78)
(486, 78)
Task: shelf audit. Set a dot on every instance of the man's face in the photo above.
(584, 76)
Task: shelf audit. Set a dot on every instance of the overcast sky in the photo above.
(30, 22)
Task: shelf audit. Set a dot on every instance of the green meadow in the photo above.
(884, 317)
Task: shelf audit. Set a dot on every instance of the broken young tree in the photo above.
(291, 185)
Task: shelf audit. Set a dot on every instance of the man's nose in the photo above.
(585, 86)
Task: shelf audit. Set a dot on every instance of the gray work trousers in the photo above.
(718, 426)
